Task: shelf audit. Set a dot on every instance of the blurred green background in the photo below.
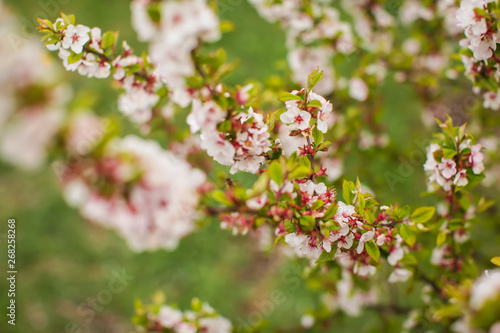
(63, 260)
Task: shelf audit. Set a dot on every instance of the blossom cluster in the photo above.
(303, 107)
(148, 195)
(94, 54)
(478, 19)
(175, 30)
(306, 28)
(453, 162)
(241, 141)
(202, 318)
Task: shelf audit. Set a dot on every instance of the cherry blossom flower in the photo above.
(141, 22)
(257, 202)
(76, 37)
(169, 317)
(295, 118)
(460, 178)
(304, 245)
(491, 100)
(366, 237)
(400, 275)
(447, 167)
(307, 321)
(218, 147)
(476, 158)
(325, 117)
(484, 289)
(215, 325)
(205, 116)
(398, 252)
(358, 89)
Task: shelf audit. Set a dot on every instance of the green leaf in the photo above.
(324, 146)
(307, 222)
(225, 126)
(441, 238)
(278, 239)
(67, 20)
(299, 173)
(325, 257)
(305, 162)
(408, 234)
(221, 197)
(275, 173)
(289, 226)
(314, 103)
(422, 214)
(348, 194)
(108, 39)
(361, 202)
(449, 153)
(74, 57)
(496, 261)
(330, 212)
(372, 250)
(318, 204)
(289, 97)
(317, 136)
(314, 78)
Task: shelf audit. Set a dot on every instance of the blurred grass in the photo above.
(63, 260)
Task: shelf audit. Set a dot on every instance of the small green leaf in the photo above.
(330, 212)
(317, 137)
(372, 250)
(361, 202)
(221, 197)
(299, 173)
(313, 79)
(289, 97)
(423, 214)
(314, 103)
(348, 194)
(305, 162)
(67, 20)
(225, 126)
(74, 57)
(108, 39)
(325, 257)
(449, 153)
(307, 222)
(441, 238)
(290, 226)
(318, 204)
(275, 173)
(408, 234)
